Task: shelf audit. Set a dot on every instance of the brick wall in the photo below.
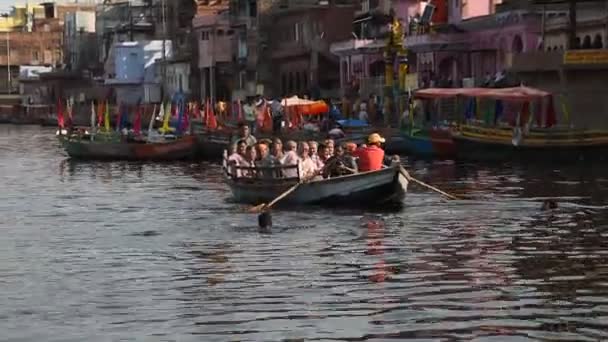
(32, 48)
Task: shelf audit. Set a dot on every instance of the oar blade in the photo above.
(258, 208)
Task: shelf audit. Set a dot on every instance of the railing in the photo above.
(266, 173)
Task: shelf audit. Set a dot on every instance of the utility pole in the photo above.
(8, 62)
(572, 28)
(164, 61)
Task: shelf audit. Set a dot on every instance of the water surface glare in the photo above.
(157, 252)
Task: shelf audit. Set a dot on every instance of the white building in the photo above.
(132, 70)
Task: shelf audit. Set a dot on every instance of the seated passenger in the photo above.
(234, 157)
(248, 161)
(314, 155)
(277, 149)
(290, 158)
(265, 161)
(371, 157)
(309, 168)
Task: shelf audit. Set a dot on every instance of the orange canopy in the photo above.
(304, 106)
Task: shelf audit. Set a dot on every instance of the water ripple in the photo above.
(112, 251)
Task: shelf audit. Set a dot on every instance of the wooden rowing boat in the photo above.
(112, 148)
(481, 143)
(374, 188)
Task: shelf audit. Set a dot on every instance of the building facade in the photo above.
(80, 41)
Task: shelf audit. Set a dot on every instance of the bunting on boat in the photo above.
(60, 118)
(137, 121)
(167, 116)
(93, 116)
(106, 118)
(210, 119)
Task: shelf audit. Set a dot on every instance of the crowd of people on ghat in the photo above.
(268, 158)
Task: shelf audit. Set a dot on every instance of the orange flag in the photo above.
(210, 119)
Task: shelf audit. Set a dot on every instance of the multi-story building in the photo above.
(80, 41)
(295, 39)
(215, 39)
(362, 54)
(33, 36)
(180, 69)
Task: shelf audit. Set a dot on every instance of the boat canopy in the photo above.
(304, 106)
(508, 94)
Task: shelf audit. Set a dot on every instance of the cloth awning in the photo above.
(304, 106)
(509, 94)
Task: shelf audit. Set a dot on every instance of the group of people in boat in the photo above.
(307, 160)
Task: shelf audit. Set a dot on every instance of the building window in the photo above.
(597, 42)
(297, 83)
(204, 35)
(35, 56)
(220, 32)
(587, 42)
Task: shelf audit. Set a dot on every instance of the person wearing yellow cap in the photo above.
(371, 157)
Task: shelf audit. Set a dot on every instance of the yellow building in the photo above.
(18, 18)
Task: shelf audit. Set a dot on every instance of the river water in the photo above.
(156, 252)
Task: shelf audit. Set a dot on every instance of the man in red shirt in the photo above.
(371, 157)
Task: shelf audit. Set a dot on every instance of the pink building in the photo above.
(474, 47)
(361, 58)
(474, 41)
(215, 41)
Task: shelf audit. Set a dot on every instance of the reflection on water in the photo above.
(110, 251)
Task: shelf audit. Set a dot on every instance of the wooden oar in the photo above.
(419, 182)
(263, 207)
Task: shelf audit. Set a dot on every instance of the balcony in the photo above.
(356, 46)
(557, 60)
(437, 42)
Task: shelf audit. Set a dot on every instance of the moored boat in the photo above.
(479, 143)
(382, 188)
(112, 148)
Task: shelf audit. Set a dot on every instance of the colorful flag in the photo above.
(152, 118)
(137, 121)
(93, 116)
(179, 108)
(106, 117)
(118, 117)
(166, 118)
(211, 121)
(60, 118)
(185, 121)
(100, 108)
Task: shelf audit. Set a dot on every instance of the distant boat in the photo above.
(111, 147)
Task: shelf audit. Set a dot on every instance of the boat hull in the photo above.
(375, 188)
(443, 144)
(211, 146)
(497, 150)
(182, 148)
